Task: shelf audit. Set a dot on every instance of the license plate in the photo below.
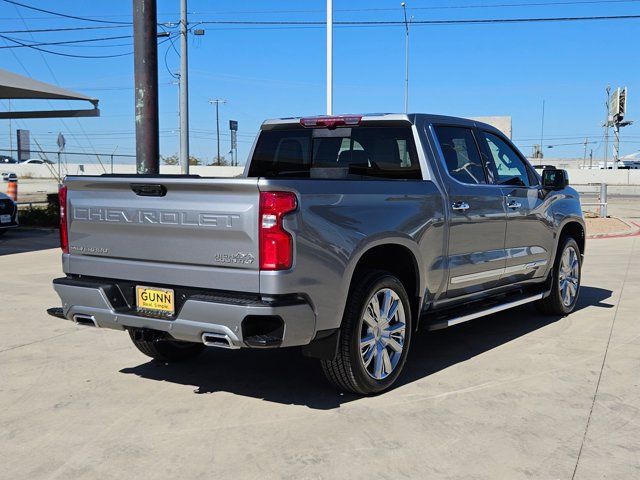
(155, 299)
(5, 218)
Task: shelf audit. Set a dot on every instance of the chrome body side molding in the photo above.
(498, 272)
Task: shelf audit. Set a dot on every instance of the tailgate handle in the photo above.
(149, 190)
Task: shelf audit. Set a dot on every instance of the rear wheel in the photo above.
(167, 350)
(374, 337)
(567, 270)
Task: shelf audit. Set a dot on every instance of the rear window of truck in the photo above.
(358, 152)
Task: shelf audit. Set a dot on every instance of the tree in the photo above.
(175, 160)
(219, 161)
(171, 159)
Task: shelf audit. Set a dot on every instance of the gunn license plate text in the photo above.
(155, 299)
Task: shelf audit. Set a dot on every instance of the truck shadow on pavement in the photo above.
(22, 240)
(285, 376)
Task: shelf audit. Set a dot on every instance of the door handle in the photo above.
(513, 205)
(460, 206)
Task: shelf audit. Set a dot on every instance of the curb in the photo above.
(634, 231)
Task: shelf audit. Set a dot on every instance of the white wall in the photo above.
(610, 177)
(44, 171)
(576, 175)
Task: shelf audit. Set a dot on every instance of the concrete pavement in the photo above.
(514, 395)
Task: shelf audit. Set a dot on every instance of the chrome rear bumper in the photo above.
(198, 316)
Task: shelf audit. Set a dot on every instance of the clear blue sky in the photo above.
(266, 72)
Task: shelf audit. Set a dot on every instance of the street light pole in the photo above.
(184, 91)
(218, 101)
(329, 57)
(406, 58)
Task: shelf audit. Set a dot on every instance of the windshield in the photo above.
(378, 152)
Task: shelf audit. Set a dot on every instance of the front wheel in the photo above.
(565, 287)
(374, 337)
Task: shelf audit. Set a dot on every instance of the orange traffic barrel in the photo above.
(12, 190)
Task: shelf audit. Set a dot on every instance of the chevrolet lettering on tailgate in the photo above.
(150, 216)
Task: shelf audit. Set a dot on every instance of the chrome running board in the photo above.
(481, 313)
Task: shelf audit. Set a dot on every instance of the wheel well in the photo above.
(397, 260)
(575, 230)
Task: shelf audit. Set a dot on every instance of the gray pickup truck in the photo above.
(344, 236)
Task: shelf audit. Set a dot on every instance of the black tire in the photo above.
(553, 304)
(167, 350)
(347, 371)
(3, 231)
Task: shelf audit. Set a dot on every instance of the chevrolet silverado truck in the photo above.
(344, 236)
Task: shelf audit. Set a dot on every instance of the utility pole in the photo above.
(184, 91)
(145, 60)
(406, 58)
(218, 101)
(607, 122)
(584, 158)
(542, 132)
(329, 57)
(616, 144)
(10, 133)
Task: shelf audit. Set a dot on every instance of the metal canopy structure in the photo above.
(14, 87)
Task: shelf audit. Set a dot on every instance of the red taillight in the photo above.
(324, 121)
(64, 235)
(276, 244)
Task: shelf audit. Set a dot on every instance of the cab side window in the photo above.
(504, 163)
(461, 154)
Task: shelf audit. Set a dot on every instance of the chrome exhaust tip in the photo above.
(219, 340)
(86, 320)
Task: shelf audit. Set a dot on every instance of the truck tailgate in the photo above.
(166, 230)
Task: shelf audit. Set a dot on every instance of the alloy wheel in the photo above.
(382, 333)
(569, 276)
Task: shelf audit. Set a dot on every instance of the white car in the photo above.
(35, 161)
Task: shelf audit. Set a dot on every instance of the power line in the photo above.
(60, 53)
(63, 29)
(166, 52)
(58, 14)
(64, 124)
(530, 4)
(352, 23)
(510, 5)
(72, 55)
(433, 7)
(66, 42)
(321, 23)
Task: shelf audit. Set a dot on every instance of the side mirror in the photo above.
(554, 179)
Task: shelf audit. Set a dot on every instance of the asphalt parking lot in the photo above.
(514, 395)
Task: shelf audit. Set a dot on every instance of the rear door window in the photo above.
(375, 152)
(461, 154)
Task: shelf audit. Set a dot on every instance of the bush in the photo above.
(41, 216)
